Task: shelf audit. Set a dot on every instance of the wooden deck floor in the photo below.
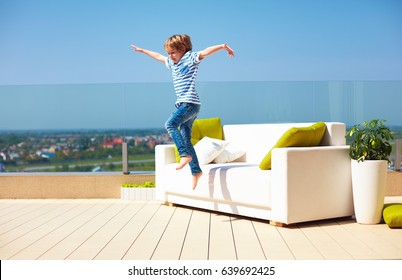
(111, 229)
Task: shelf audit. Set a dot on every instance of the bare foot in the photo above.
(196, 177)
(183, 162)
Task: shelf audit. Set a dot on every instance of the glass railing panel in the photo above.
(82, 127)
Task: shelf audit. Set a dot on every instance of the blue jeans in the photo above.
(184, 118)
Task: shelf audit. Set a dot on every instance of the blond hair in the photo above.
(179, 42)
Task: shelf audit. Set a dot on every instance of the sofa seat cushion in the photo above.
(234, 182)
(392, 214)
(297, 137)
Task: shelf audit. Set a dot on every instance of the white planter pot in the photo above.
(138, 194)
(369, 179)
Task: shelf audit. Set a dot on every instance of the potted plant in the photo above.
(145, 191)
(369, 151)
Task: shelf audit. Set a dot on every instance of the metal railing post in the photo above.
(397, 163)
(125, 158)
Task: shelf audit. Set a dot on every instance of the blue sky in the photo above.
(64, 42)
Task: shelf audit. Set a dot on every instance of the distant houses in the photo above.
(4, 155)
(150, 141)
(113, 143)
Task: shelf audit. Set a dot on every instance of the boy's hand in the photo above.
(154, 55)
(230, 50)
(137, 49)
(213, 49)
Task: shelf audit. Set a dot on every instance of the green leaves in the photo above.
(370, 141)
(144, 185)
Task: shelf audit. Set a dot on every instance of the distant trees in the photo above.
(7, 140)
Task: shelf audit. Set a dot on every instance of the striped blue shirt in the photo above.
(184, 74)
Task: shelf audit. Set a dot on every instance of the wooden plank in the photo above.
(391, 235)
(27, 239)
(324, 243)
(274, 246)
(17, 230)
(349, 242)
(248, 246)
(7, 203)
(125, 236)
(221, 245)
(299, 244)
(35, 250)
(27, 215)
(172, 240)
(380, 245)
(147, 241)
(89, 239)
(196, 244)
(8, 209)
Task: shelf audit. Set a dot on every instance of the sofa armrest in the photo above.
(164, 154)
(311, 183)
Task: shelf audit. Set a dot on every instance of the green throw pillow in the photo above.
(392, 214)
(211, 127)
(297, 137)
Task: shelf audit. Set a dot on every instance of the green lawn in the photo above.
(108, 164)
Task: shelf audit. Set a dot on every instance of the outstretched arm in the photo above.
(211, 50)
(154, 55)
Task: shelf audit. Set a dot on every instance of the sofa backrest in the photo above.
(258, 139)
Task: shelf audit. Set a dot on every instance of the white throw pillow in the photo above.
(207, 149)
(229, 154)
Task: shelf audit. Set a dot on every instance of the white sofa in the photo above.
(304, 184)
